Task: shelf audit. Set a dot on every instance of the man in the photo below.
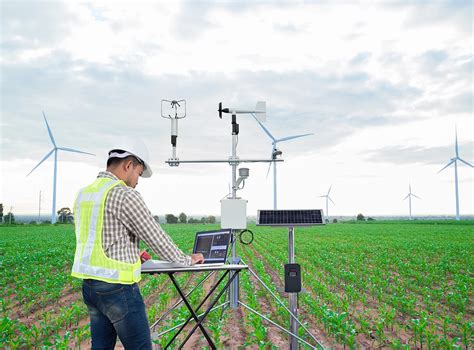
(110, 220)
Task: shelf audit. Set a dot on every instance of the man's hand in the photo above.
(144, 256)
(197, 258)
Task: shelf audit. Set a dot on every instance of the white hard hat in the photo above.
(134, 147)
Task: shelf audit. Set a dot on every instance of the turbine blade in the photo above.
(468, 164)
(292, 137)
(74, 150)
(268, 170)
(451, 162)
(406, 197)
(42, 160)
(262, 108)
(49, 130)
(414, 195)
(329, 189)
(264, 128)
(331, 200)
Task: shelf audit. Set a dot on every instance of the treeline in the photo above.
(183, 219)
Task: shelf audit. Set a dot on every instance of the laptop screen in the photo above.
(213, 245)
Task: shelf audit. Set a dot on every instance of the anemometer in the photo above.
(233, 208)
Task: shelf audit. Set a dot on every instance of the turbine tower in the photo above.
(409, 195)
(455, 161)
(327, 203)
(55, 151)
(275, 152)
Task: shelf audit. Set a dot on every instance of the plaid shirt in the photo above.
(127, 220)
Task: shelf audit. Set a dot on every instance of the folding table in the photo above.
(231, 270)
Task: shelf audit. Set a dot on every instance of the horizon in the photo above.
(253, 217)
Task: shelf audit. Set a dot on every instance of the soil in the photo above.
(234, 331)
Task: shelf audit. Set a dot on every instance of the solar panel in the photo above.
(304, 217)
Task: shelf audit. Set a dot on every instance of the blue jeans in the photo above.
(116, 309)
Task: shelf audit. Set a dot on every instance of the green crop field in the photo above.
(379, 285)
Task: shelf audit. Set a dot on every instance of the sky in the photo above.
(381, 85)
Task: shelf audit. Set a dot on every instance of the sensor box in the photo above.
(234, 214)
(292, 278)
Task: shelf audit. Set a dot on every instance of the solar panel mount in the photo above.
(290, 218)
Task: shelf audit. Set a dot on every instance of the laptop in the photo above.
(213, 245)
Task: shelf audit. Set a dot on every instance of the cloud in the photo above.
(192, 20)
(31, 24)
(461, 103)
(434, 57)
(104, 101)
(455, 13)
(360, 58)
(420, 155)
(289, 28)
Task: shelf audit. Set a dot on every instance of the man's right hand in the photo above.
(197, 258)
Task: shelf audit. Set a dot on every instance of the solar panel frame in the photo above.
(290, 218)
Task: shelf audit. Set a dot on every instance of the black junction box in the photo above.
(292, 278)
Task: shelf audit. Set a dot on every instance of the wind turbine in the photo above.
(455, 161)
(327, 204)
(409, 195)
(275, 152)
(55, 151)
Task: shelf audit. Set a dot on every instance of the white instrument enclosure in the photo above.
(234, 214)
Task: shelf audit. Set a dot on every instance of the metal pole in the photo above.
(227, 161)
(53, 214)
(293, 297)
(327, 208)
(274, 186)
(409, 205)
(39, 209)
(276, 325)
(281, 304)
(180, 301)
(234, 287)
(179, 325)
(456, 188)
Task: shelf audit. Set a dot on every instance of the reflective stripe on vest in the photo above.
(90, 260)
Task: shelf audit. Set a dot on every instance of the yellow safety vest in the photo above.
(90, 260)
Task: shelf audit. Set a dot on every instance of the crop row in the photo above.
(386, 285)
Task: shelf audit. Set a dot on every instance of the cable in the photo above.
(245, 241)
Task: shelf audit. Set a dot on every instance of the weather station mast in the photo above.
(234, 214)
(233, 208)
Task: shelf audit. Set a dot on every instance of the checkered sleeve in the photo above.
(137, 217)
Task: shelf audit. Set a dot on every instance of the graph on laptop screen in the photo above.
(213, 245)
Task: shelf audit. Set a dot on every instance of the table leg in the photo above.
(193, 314)
(210, 307)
